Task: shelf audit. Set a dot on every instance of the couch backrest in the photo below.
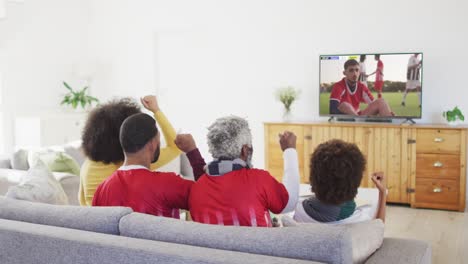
(96, 219)
(329, 244)
(31, 243)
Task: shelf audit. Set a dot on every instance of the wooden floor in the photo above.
(446, 231)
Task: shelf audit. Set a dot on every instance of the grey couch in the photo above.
(11, 175)
(42, 233)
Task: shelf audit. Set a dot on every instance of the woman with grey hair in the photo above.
(232, 192)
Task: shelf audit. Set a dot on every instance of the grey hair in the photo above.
(227, 135)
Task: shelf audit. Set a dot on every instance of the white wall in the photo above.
(42, 43)
(206, 59)
(210, 58)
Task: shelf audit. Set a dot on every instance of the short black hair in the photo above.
(350, 62)
(136, 131)
(362, 58)
(100, 138)
(336, 170)
(377, 56)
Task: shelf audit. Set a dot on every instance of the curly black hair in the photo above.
(336, 169)
(101, 133)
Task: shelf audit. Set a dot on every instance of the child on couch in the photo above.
(336, 170)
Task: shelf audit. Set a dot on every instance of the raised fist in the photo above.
(150, 102)
(287, 140)
(379, 180)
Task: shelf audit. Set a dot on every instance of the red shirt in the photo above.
(241, 197)
(342, 93)
(379, 73)
(145, 191)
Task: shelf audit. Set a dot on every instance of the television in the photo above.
(373, 86)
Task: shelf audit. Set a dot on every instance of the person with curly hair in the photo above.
(102, 147)
(336, 170)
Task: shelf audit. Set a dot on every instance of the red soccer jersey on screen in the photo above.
(379, 76)
(241, 197)
(145, 191)
(342, 93)
(379, 73)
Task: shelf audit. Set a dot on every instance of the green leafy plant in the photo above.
(76, 98)
(287, 95)
(454, 115)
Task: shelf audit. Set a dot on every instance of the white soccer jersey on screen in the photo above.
(413, 74)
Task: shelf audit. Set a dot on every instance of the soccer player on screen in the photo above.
(378, 85)
(363, 76)
(349, 93)
(413, 78)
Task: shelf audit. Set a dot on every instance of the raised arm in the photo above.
(171, 151)
(379, 180)
(186, 143)
(291, 169)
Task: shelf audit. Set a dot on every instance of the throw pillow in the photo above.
(366, 236)
(75, 151)
(19, 160)
(55, 161)
(38, 185)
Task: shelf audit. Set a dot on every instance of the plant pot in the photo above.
(287, 116)
(454, 123)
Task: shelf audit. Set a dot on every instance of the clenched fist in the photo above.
(379, 180)
(287, 140)
(150, 102)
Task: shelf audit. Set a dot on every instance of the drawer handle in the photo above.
(438, 140)
(437, 190)
(438, 164)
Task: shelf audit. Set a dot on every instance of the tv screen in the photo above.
(371, 85)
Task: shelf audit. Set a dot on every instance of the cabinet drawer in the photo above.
(437, 191)
(438, 166)
(438, 141)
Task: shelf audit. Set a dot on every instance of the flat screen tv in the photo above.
(376, 86)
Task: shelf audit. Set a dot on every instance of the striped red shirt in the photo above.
(145, 191)
(241, 197)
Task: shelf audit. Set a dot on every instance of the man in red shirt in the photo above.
(232, 192)
(133, 184)
(349, 93)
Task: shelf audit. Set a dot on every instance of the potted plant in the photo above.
(78, 98)
(287, 96)
(454, 116)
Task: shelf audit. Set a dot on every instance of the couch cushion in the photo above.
(97, 219)
(9, 177)
(366, 236)
(70, 184)
(402, 251)
(5, 162)
(75, 151)
(312, 242)
(19, 160)
(55, 160)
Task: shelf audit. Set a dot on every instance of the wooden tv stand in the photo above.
(424, 164)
